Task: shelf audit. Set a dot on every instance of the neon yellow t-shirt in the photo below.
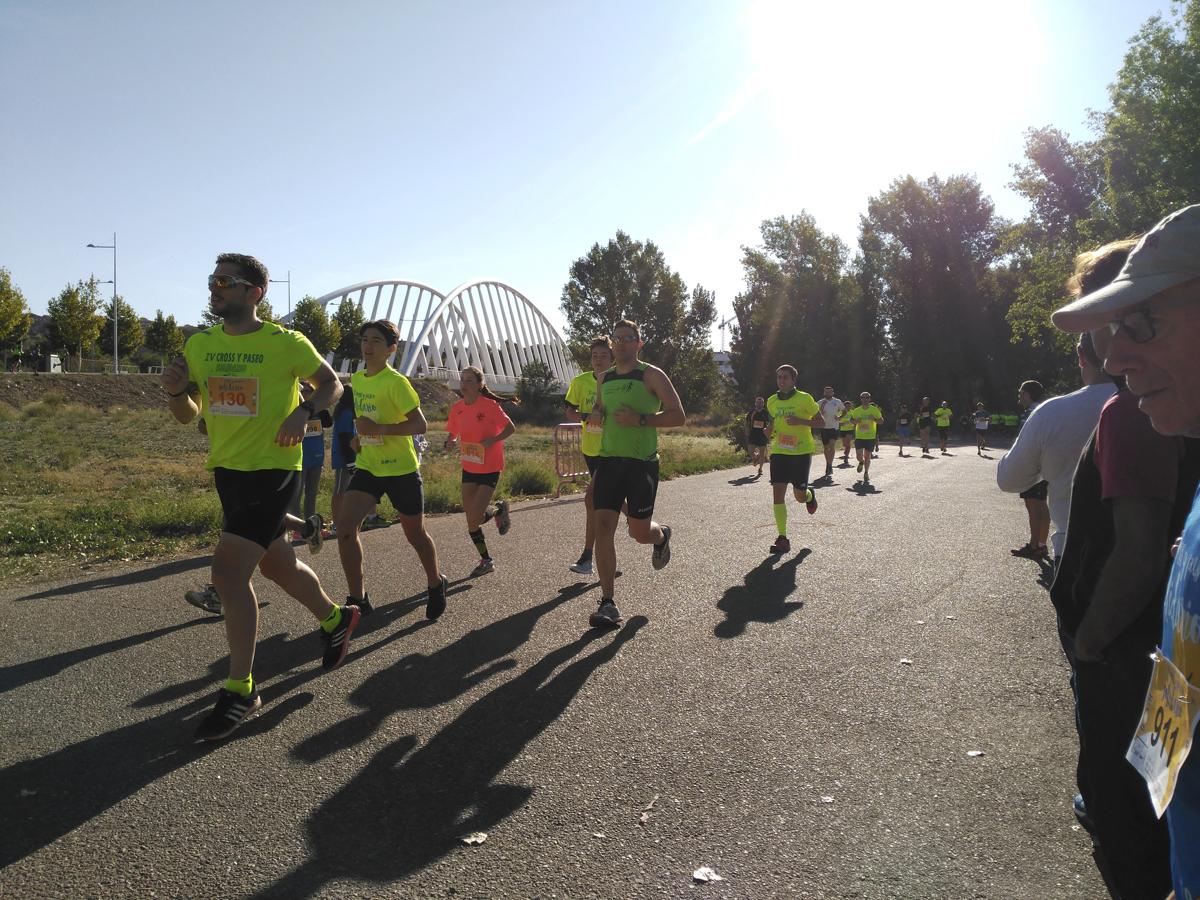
(794, 440)
(845, 420)
(581, 394)
(386, 397)
(943, 415)
(865, 426)
(249, 383)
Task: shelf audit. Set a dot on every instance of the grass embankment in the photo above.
(80, 485)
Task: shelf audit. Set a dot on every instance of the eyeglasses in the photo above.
(1137, 326)
(625, 339)
(226, 281)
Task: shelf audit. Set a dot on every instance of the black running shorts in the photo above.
(491, 479)
(864, 444)
(619, 480)
(1037, 492)
(829, 435)
(405, 491)
(591, 462)
(254, 503)
(342, 478)
(790, 468)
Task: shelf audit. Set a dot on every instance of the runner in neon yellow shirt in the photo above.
(581, 397)
(388, 413)
(867, 418)
(245, 375)
(794, 414)
(943, 415)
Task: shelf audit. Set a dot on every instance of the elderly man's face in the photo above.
(1164, 372)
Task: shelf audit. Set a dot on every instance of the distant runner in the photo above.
(832, 409)
(756, 434)
(943, 415)
(867, 418)
(903, 426)
(794, 414)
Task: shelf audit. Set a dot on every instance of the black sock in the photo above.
(476, 537)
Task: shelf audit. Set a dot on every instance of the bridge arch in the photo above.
(484, 323)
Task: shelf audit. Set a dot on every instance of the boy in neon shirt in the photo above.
(388, 414)
(581, 397)
(943, 415)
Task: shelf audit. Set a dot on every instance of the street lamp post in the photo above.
(288, 282)
(116, 346)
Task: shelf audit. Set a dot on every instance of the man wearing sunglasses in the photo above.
(1152, 313)
(243, 377)
(633, 400)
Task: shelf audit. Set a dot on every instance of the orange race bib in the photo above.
(472, 453)
(232, 396)
(788, 441)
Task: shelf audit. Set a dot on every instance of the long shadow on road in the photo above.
(762, 596)
(47, 797)
(413, 809)
(140, 576)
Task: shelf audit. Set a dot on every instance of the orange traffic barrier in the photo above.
(569, 463)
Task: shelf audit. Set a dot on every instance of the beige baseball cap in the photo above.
(1167, 255)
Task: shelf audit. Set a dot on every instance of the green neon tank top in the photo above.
(628, 390)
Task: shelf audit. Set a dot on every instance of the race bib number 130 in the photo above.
(1164, 735)
(233, 396)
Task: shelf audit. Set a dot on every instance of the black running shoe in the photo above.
(436, 604)
(662, 552)
(503, 520)
(230, 711)
(606, 616)
(364, 605)
(337, 642)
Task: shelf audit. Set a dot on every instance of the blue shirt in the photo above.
(343, 423)
(1181, 644)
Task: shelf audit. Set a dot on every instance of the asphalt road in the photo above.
(801, 725)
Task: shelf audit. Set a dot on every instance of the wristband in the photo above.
(180, 394)
(307, 406)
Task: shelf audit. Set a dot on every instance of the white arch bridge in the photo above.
(484, 323)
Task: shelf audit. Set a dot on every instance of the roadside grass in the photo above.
(80, 486)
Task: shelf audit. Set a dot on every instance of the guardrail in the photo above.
(569, 464)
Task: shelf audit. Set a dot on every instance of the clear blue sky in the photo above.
(448, 141)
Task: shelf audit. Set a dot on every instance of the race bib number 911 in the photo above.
(1164, 735)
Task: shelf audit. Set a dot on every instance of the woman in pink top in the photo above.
(479, 426)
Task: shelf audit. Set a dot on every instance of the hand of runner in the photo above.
(368, 426)
(174, 378)
(796, 420)
(627, 417)
(356, 446)
(291, 432)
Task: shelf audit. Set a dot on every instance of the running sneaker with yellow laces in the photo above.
(337, 642)
(810, 501)
(230, 711)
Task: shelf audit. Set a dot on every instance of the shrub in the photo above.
(527, 478)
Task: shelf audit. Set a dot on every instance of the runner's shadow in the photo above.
(141, 576)
(20, 674)
(863, 490)
(746, 479)
(414, 808)
(419, 682)
(51, 795)
(762, 596)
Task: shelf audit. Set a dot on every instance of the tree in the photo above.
(1148, 138)
(164, 338)
(799, 306)
(129, 329)
(349, 320)
(73, 320)
(539, 393)
(311, 320)
(628, 279)
(926, 256)
(15, 318)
